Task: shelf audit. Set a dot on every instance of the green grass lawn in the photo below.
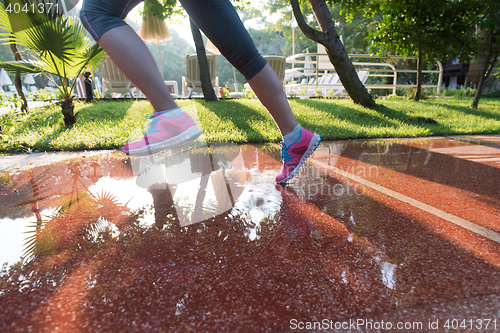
(107, 125)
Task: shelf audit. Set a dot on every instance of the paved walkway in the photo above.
(372, 236)
(31, 105)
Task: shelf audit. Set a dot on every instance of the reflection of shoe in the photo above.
(164, 133)
(296, 154)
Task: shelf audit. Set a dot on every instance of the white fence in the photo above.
(316, 71)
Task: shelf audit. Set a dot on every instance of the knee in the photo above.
(241, 52)
(248, 64)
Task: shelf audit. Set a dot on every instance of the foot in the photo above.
(296, 154)
(164, 133)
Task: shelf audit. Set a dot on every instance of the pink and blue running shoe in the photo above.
(296, 154)
(164, 133)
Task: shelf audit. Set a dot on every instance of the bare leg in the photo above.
(269, 90)
(130, 53)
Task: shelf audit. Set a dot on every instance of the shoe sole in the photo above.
(188, 135)
(313, 144)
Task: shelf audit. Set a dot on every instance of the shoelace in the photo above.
(285, 156)
(152, 125)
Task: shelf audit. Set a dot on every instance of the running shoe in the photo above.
(164, 133)
(296, 154)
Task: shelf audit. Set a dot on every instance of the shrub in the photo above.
(42, 95)
(460, 92)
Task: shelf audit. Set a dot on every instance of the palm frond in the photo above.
(65, 202)
(61, 46)
(79, 37)
(4, 18)
(106, 199)
(51, 37)
(92, 57)
(24, 66)
(31, 248)
(7, 37)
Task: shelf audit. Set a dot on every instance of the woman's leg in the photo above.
(220, 22)
(267, 86)
(170, 126)
(104, 20)
(130, 53)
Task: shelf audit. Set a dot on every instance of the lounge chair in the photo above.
(80, 87)
(363, 76)
(324, 63)
(173, 87)
(192, 81)
(12, 90)
(279, 65)
(115, 81)
(97, 84)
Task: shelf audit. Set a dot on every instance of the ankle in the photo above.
(172, 113)
(293, 136)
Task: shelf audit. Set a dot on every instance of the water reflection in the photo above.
(402, 241)
(388, 277)
(184, 189)
(125, 192)
(443, 161)
(12, 236)
(90, 215)
(210, 243)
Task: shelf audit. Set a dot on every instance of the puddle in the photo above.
(206, 241)
(186, 188)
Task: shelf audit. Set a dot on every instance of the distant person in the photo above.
(171, 126)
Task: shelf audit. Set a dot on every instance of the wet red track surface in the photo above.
(371, 233)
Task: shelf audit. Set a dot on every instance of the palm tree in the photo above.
(80, 219)
(58, 46)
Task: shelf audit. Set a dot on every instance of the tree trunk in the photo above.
(418, 91)
(164, 206)
(68, 110)
(335, 50)
(474, 73)
(206, 84)
(482, 79)
(492, 56)
(477, 65)
(17, 79)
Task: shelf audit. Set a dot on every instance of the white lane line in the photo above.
(494, 236)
